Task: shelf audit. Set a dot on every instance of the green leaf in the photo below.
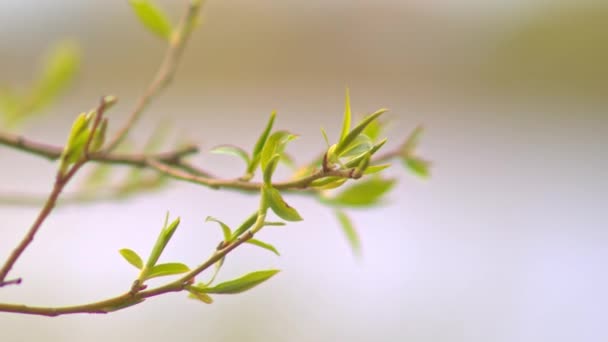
(170, 268)
(225, 229)
(327, 183)
(355, 161)
(163, 239)
(347, 117)
(241, 284)
(275, 145)
(376, 168)
(100, 136)
(373, 130)
(132, 258)
(279, 206)
(364, 193)
(419, 166)
(264, 245)
(152, 18)
(232, 151)
(195, 293)
(270, 167)
(259, 145)
(245, 225)
(325, 137)
(355, 132)
(360, 146)
(349, 230)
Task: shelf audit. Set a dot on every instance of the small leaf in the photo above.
(419, 166)
(373, 130)
(347, 117)
(325, 137)
(364, 192)
(245, 226)
(232, 151)
(327, 183)
(225, 229)
(270, 168)
(357, 131)
(376, 168)
(241, 284)
(355, 161)
(360, 146)
(163, 239)
(279, 206)
(259, 145)
(100, 136)
(162, 270)
(349, 231)
(275, 145)
(264, 245)
(152, 18)
(132, 258)
(202, 296)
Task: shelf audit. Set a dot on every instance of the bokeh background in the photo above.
(506, 242)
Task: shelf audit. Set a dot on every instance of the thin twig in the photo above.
(127, 299)
(61, 181)
(165, 73)
(53, 152)
(215, 183)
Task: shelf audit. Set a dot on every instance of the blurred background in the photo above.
(507, 240)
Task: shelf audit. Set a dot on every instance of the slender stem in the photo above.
(164, 75)
(127, 299)
(52, 152)
(215, 183)
(61, 180)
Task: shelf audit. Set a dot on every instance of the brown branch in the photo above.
(52, 152)
(164, 74)
(61, 180)
(128, 299)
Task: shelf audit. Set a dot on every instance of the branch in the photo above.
(237, 184)
(128, 299)
(52, 152)
(61, 181)
(165, 73)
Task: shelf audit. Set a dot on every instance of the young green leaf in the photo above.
(100, 136)
(355, 161)
(232, 151)
(412, 141)
(363, 193)
(241, 284)
(349, 230)
(327, 183)
(225, 229)
(325, 137)
(360, 146)
(163, 239)
(132, 258)
(275, 145)
(259, 146)
(347, 117)
(419, 166)
(162, 270)
(264, 245)
(270, 167)
(195, 293)
(245, 226)
(355, 132)
(373, 130)
(152, 17)
(279, 206)
(376, 168)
